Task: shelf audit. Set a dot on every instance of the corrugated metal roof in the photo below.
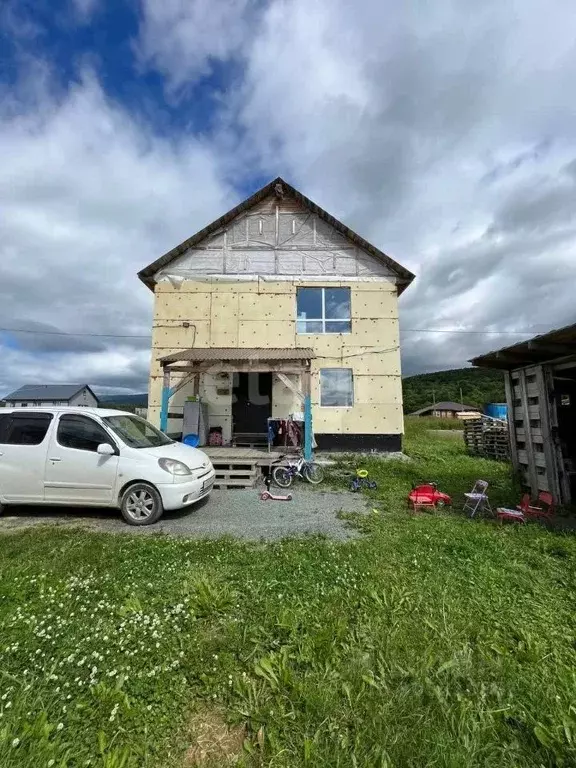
(405, 277)
(46, 392)
(541, 349)
(234, 353)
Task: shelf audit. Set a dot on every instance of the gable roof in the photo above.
(404, 275)
(48, 392)
(445, 405)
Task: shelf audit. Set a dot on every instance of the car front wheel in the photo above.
(141, 504)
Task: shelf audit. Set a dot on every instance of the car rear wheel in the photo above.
(141, 504)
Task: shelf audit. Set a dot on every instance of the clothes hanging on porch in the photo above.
(283, 432)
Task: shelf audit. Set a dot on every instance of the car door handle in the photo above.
(54, 459)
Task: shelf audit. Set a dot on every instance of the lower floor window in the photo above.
(336, 387)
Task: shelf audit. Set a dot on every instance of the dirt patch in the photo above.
(214, 742)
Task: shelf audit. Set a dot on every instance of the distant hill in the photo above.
(135, 400)
(479, 386)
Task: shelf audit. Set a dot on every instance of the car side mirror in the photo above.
(105, 449)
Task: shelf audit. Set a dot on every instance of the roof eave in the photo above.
(405, 277)
(548, 347)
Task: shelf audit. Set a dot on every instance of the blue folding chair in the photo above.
(477, 500)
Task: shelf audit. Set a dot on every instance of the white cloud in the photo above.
(443, 136)
(182, 38)
(85, 9)
(89, 197)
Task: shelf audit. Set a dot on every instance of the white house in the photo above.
(278, 311)
(52, 394)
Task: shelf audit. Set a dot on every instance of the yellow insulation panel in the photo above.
(284, 400)
(277, 287)
(262, 313)
(368, 418)
(266, 307)
(183, 306)
(384, 390)
(224, 320)
(169, 339)
(259, 333)
(374, 305)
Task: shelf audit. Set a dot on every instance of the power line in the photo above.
(458, 330)
(148, 336)
(67, 333)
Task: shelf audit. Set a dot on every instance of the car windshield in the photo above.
(136, 432)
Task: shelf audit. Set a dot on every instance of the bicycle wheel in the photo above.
(314, 473)
(282, 477)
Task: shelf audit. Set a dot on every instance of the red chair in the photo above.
(531, 510)
(511, 515)
(420, 501)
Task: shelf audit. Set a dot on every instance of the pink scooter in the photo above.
(267, 494)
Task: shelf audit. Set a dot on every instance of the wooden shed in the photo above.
(540, 383)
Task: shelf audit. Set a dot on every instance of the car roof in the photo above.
(101, 412)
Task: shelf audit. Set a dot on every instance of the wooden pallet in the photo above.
(488, 439)
(235, 474)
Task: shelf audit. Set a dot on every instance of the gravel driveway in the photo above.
(238, 513)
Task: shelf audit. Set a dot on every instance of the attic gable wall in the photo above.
(277, 236)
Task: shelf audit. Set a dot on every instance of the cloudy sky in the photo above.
(444, 132)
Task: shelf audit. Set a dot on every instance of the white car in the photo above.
(100, 458)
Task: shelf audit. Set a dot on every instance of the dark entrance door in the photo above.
(251, 403)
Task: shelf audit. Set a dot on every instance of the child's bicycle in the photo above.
(284, 474)
(361, 481)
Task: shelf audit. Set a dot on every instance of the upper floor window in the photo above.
(323, 310)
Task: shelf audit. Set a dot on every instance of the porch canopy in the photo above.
(292, 360)
(247, 359)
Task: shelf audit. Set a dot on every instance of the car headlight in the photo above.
(174, 467)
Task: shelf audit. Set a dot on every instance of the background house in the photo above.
(275, 300)
(52, 394)
(540, 378)
(445, 410)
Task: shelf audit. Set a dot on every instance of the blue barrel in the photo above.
(496, 410)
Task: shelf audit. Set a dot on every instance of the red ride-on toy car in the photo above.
(427, 495)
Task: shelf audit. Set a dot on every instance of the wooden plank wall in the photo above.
(529, 414)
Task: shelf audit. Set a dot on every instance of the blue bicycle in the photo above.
(284, 474)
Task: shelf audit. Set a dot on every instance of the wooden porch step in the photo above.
(239, 474)
(231, 483)
(235, 473)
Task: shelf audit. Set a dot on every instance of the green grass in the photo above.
(431, 422)
(430, 641)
